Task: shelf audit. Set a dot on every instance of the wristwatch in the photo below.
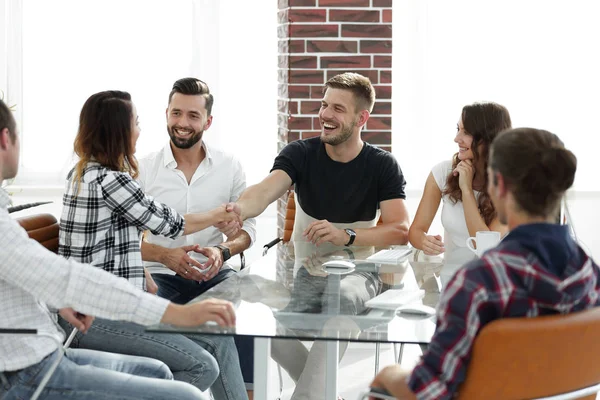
(225, 252)
(352, 236)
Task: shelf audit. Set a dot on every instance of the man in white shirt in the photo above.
(190, 176)
(31, 277)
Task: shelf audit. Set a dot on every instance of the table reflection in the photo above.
(289, 294)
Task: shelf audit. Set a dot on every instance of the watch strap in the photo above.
(352, 235)
(225, 252)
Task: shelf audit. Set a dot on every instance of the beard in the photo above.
(187, 142)
(345, 133)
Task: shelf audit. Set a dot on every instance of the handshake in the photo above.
(227, 218)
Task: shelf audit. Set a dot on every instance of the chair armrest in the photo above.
(242, 261)
(18, 331)
(272, 243)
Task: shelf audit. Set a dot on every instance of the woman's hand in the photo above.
(433, 245)
(465, 172)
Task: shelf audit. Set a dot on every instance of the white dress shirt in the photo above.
(219, 179)
(31, 277)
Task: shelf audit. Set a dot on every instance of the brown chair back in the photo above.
(527, 358)
(290, 217)
(43, 228)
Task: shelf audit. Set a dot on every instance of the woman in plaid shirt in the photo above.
(104, 215)
(537, 269)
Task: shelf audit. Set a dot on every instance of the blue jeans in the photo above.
(201, 360)
(180, 290)
(92, 375)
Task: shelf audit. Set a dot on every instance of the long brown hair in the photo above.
(483, 121)
(536, 167)
(104, 134)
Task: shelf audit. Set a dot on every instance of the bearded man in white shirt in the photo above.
(33, 278)
(191, 176)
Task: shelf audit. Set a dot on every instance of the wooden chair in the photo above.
(544, 358)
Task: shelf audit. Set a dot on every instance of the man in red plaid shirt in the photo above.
(537, 269)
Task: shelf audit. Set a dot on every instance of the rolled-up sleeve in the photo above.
(124, 196)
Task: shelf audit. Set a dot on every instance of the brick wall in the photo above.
(319, 39)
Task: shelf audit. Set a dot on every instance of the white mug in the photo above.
(484, 240)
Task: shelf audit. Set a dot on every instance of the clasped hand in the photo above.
(179, 260)
(227, 219)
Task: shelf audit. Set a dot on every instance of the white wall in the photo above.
(539, 58)
(72, 49)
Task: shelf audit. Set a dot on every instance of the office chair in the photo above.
(551, 357)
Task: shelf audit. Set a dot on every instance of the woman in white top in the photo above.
(461, 184)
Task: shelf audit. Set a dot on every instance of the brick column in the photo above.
(319, 39)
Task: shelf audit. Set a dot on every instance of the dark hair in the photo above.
(104, 133)
(483, 121)
(7, 120)
(536, 167)
(359, 85)
(193, 86)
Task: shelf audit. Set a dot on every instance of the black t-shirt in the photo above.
(341, 192)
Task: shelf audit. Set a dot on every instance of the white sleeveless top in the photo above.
(453, 220)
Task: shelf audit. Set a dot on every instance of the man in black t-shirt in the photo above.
(343, 185)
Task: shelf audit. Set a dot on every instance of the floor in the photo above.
(356, 370)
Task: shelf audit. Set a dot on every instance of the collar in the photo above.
(169, 159)
(4, 199)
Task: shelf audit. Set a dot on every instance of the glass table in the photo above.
(288, 293)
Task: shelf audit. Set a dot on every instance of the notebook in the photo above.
(390, 256)
(393, 299)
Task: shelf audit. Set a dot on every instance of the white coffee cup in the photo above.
(484, 240)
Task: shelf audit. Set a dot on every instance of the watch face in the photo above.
(225, 252)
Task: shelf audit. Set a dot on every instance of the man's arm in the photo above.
(392, 230)
(256, 198)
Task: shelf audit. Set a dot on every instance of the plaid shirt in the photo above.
(508, 281)
(31, 277)
(103, 222)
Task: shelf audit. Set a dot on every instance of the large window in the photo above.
(538, 58)
(72, 49)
